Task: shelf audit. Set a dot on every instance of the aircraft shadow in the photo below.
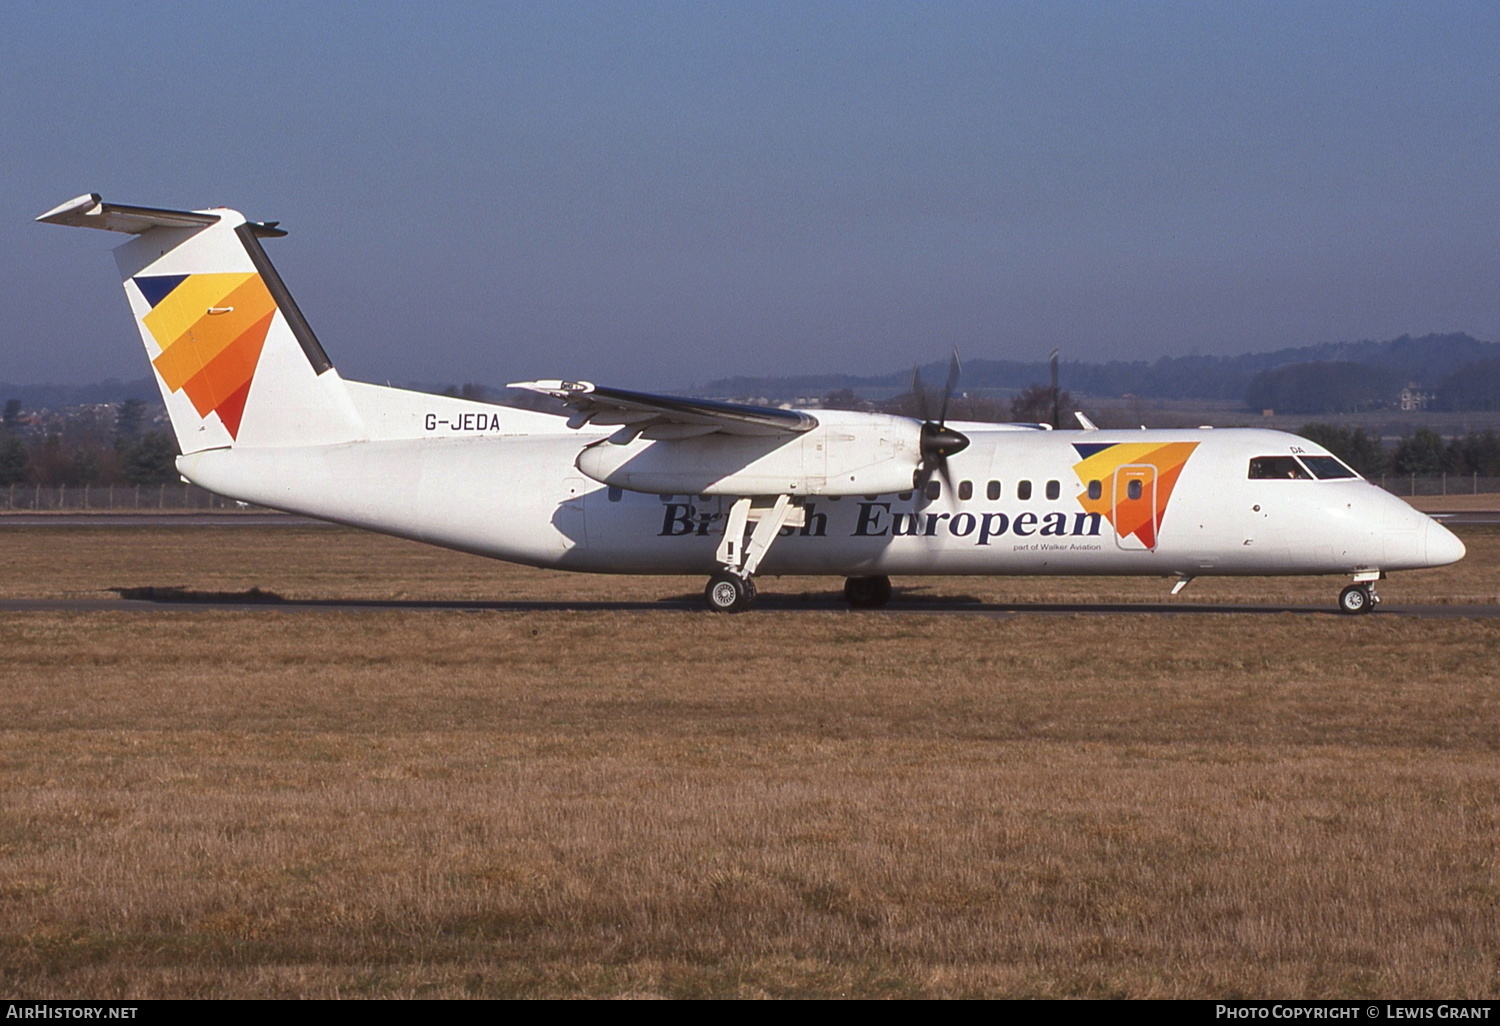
(689, 601)
(173, 595)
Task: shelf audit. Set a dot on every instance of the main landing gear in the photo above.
(732, 589)
(867, 592)
(729, 592)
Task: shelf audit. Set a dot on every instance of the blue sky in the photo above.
(655, 194)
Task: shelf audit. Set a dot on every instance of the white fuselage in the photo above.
(505, 483)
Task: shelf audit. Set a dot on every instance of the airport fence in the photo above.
(1439, 484)
(125, 498)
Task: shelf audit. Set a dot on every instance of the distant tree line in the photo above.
(1474, 386)
(112, 446)
(1331, 387)
(1461, 372)
(1424, 452)
(95, 446)
(1032, 405)
(60, 397)
(109, 443)
(1343, 387)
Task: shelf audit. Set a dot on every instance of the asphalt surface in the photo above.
(71, 519)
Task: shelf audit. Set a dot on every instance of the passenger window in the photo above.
(614, 494)
(934, 489)
(965, 490)
(1133, 490)
(992, 490)
(1095, 490)
(1023, 489)
(1053, 489)
(904, 496)
(1277, 468)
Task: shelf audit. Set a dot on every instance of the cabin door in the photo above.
(1135, 511)
(569, 516)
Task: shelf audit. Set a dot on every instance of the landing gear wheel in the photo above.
(1356, 599)
(867, 592)
(729, 593)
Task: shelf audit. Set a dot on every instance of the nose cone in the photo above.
(1443, 546)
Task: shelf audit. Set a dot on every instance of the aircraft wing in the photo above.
(667, 416)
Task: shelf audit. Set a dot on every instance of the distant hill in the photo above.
(1428, 362)
(1462, 371)
(55, 397)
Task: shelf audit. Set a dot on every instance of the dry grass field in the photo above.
(661, 802)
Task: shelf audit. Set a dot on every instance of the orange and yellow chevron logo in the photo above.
(1156, 465)
(211, 329)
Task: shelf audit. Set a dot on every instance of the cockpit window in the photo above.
(1277, 468)
(1326, 468)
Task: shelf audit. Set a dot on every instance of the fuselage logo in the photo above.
(1130, 484)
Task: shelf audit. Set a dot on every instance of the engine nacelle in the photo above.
(846, 454)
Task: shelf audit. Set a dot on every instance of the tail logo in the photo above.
(1114, 466)
(211, 329)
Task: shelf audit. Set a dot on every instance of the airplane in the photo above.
(609, 480)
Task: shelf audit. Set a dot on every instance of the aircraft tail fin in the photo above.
(236, 362)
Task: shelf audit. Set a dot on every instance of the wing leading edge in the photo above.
(667, 416)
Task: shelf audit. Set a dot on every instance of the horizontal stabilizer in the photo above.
(89, 211)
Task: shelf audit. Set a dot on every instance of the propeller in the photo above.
(938, 441)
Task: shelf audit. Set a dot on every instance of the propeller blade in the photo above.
(954, 370)
(938, 441)
(942, 469)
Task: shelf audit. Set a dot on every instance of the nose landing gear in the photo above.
(1358, 599)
